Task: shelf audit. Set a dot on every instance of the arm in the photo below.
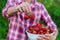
(12, 10)
(9, 9)
(46, 17)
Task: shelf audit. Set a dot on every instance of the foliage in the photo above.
(52, 6)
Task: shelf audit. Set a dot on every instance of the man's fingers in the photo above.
(27, 8)
(48, 35)
(23, 8)
(20, 9)
(41, 38)
(48, 38)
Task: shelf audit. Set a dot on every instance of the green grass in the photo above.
(58, 37)
(2, 39)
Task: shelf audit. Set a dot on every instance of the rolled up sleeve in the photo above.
(9, 3)
(46, 17)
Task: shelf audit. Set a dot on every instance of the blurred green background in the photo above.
(53, 7)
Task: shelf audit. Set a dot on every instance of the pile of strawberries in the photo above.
(39, 29)
(29, 16)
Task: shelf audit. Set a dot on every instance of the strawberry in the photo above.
(42, 25)
(32, 17)
(50, 31)
(44, 30)
(34, 32)
(30, 27)
(36, 28)
(39, 29)
(29, 31)
(26, 16)
(40, 32)
(38, 25)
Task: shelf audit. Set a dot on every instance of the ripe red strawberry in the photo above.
(44, 30)
(38, 25)
(40, 32)
(32, 17)
(36, 28)
(26, 16)
(40, 29)
(30, 27)
(50, 31)
(34, 32)
(30, 31)
(42, 25)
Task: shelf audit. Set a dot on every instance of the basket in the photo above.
(35, 36)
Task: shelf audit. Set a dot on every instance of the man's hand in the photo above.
(24, 7)
(48, 37)
(41, 38)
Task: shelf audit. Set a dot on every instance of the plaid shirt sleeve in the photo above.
(46, 17)
(8, 4)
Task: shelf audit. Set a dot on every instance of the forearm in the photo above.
(12, 10)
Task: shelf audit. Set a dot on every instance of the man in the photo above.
(15, 11)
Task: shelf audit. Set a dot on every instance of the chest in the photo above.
(34, 8)
(35, 11)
